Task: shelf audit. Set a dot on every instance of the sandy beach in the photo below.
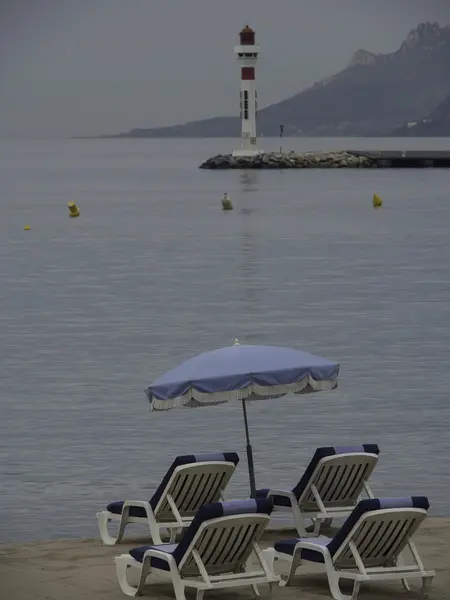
(74, 569)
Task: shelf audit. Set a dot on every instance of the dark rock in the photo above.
(290, 160)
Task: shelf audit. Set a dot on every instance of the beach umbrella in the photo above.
(244, 373)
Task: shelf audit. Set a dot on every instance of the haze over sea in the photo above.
(93, 309)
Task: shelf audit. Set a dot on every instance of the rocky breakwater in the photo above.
(291, 160)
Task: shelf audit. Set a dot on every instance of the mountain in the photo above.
(372, 95)
(435, 124)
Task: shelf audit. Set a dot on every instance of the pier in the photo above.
(362, 159)
(407, 159)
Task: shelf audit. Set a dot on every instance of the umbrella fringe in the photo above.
(194, 398)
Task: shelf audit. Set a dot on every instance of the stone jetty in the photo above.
(292, 160)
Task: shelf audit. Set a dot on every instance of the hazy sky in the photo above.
(81, 67)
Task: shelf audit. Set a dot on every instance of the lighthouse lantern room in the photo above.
(247, 55)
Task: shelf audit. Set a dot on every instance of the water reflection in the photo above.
(249, 180)
(250, 264)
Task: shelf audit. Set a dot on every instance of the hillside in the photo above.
(435, 124)
(373, 95)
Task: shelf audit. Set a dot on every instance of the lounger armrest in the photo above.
(140, 504)
(285, 494)
(311, 546)
(316, 547)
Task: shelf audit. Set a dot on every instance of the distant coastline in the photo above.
(347, 104)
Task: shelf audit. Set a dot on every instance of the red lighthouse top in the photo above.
(247, 36)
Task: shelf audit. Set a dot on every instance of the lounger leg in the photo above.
(266, 559)
(296, 562)
(103, 520)
(269, 557)
(356, 586)
(173, 535)
(333, 582)
(178, 586)
(200, 594)
(122, 565)
(401, 563)
(318, 524)
(146, 568)
(246, 568)
(426, 585)
(154, 531)
(299, 523)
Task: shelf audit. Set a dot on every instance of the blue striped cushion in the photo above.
(186, 460)
(333, 544)
(116, 507)
(329, 451)
(214, 511)
(318, 455)
(365, 506)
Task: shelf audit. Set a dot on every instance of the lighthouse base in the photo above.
(246, 152)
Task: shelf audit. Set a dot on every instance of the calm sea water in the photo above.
(93, 309)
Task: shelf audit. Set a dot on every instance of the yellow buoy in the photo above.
(27, 228)
(226, 202)
(377, 201)
(73, 210)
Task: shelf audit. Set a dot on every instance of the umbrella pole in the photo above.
(251, 467)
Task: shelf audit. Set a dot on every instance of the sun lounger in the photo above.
(190, 482)
(213, 553)
(368, 547)
(330, 486)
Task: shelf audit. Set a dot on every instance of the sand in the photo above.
(84, 569)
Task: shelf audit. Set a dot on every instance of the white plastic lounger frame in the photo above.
(372, 551)
(218, 557)
(190, 487)
(332, 491)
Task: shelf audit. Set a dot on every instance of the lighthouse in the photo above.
(247, 55)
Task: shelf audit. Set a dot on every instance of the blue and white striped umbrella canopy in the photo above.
(242, 372)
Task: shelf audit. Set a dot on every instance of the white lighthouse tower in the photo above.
(247, 55)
